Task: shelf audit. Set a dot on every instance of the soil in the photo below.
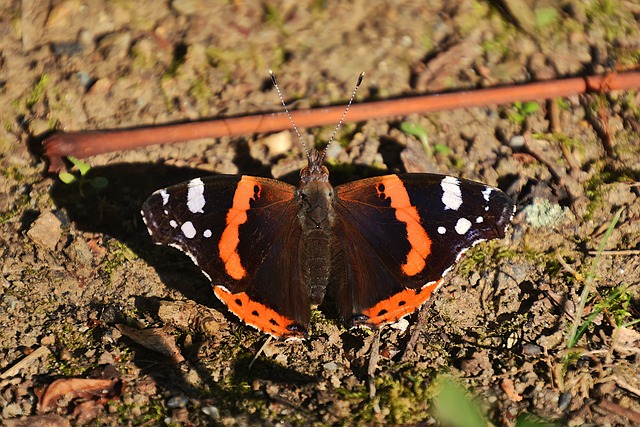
(86, 297)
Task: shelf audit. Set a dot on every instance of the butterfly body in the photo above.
(378, 247)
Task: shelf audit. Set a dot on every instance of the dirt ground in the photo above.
(133, 332)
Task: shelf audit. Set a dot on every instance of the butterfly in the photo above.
(378, 247)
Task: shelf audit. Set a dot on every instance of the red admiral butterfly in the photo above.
(379, 246)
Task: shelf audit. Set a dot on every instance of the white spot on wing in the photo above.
(442, 230)
(486, 193)
(451, 193)
(206, 233)
(188, 230)
(462, 226)
(173, 224)
(165, 197)
(195, 196)
(479, 220)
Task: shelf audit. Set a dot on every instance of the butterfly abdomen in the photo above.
(316, 218)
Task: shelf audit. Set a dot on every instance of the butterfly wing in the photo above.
(404, 234)
(243, 233)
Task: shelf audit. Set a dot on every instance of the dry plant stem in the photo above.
(415, 333)
(571, 160)
(570, 269)
(620, 252)
(599, 123)
(625, 385)
(266, 343)
(614, 408)
(374, 355)
(24, 363)
(84, 144)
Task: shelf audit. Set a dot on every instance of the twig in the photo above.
(415, 333)
(621, 252)
(625, 385)
(28, 360)
(85, 144)
(620, 410)
(579, 277)
(266, 343)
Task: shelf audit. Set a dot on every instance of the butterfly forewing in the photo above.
(241, 231)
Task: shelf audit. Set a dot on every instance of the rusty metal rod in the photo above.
(88, 143)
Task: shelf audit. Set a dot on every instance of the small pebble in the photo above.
(212, 412)
(531, 349)
(177, 402)
(516, 141)
(330, 366)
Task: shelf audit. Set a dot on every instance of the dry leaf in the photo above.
(47, 420)
(510, 389)
(627, 342)
(155, 339)
(85, 388)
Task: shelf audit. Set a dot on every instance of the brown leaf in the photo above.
(155, 339)
(627, 342)
(85, 388)
(510, 389)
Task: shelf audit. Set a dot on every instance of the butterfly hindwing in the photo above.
(242, 232)
(406, 231)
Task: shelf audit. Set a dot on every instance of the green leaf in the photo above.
(455, 408)
(82, 166)
(516, 117)
(415, 130)
(530, 108)
(442, 149)
(67, 178)
(99, 182)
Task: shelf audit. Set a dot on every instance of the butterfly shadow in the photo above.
(114, 213)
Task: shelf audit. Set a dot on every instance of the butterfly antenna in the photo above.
(333, 135)
(286, 110)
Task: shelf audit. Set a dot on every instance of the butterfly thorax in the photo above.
(316, 216)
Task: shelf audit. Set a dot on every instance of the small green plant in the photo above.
(98, 182)
(523, 110)
(577, 329)
(421, 133)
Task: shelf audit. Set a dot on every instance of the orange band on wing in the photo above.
(399, 305)
(236, 216)
(418, 238)
(257, 315)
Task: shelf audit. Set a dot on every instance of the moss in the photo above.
(16, 210)
(38, 91)
(483, 258)
(607, 15)
(118, 254)
(153, 413)
(201, 93)
(597, 186)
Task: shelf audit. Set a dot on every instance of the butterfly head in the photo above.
(316, 170)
